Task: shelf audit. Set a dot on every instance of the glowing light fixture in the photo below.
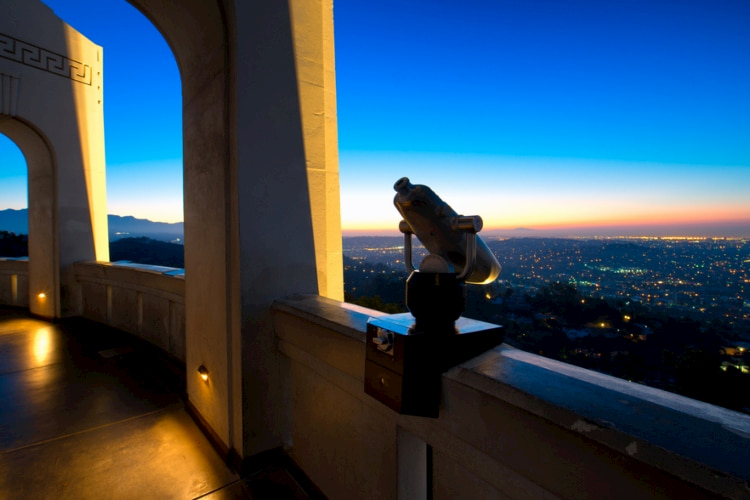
(42, 296)
(203, 372)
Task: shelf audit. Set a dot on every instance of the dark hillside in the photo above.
(13, 245)
(147, 251)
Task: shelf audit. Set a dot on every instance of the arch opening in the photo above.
(15, 200)
(40, 222)
(143, 133)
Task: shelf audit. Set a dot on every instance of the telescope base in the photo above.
(403, 365)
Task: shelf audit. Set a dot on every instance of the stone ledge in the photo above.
(699, 443)
(347, 319)
(9, 265)
(137, 279)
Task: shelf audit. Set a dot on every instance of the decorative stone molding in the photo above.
(37, 57)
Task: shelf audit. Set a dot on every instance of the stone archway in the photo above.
(260, 179)
(261, 194)
(198, 37)
(51, 108)
(43, 259)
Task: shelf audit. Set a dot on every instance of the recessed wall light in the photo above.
(203, 372)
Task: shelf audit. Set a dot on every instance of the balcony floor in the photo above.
(88, 412)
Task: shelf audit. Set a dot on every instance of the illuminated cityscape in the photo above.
(673, 313)
(707, 277)
(685, 275)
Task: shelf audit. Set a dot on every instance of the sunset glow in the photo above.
(553, 194)
(538, 115)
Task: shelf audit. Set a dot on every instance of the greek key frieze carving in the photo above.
(43, 59)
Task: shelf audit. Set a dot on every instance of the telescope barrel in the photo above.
(443, 232)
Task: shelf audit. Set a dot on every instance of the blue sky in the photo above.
(573, 115)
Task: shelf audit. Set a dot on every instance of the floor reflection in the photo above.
(87, 411)
(42, 345)
(78, 424)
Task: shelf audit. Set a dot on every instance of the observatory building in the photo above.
(271, 358)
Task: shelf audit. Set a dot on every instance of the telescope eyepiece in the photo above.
(403, 186)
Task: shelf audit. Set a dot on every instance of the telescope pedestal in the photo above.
(403, 365)
(436, 300)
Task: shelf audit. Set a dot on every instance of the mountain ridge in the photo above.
(16, 221)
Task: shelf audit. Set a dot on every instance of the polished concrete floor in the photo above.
(89, 412)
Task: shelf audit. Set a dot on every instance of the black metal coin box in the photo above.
(403, 366)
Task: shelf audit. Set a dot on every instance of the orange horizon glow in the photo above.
(579, 200)
(610, 225)
(693, 219)
(622, 214)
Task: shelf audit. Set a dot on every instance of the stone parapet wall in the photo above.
(14, 282)
(145, 303)
(511, 425)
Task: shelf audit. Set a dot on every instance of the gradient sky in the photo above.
(540, 114)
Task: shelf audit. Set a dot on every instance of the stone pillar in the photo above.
(261, 195)
(312, 25)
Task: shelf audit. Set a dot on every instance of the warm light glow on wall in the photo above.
(90, 118)
(41, 296)
(203, 372)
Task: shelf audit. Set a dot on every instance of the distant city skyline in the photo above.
(577, 118)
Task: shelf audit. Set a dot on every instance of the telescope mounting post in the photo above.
(407, 353)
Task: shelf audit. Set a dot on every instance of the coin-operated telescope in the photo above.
(406, 353)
